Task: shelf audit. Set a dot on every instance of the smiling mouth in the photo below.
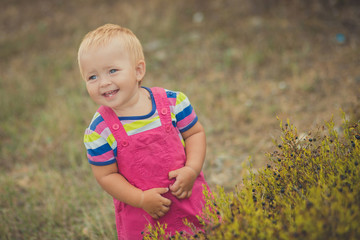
(110, 93)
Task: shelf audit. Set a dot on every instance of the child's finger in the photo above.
(160, 213)
(175, 187)
(173, 174)
(154, 215)
(165, 209)
(182, 195)
(176, 190)
(166, 202)
(189, 193)
(162, 190)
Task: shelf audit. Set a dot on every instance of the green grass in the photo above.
(51, 204)
(230, 65)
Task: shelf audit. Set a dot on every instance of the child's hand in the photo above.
(155, 204)
(185, 178)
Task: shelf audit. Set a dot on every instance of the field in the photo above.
(242, 63)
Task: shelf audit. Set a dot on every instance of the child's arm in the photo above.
(195, 147)
(118, 187)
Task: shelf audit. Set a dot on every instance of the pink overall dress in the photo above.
(145, 160)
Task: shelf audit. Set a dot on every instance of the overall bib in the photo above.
(145, 160)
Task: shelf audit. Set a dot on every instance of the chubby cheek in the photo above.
(93, 93)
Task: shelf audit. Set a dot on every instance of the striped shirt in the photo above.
(101, 145)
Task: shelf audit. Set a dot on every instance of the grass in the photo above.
(242, 65)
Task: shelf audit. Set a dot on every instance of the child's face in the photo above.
(112, 79)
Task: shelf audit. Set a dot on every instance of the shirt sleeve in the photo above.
(98, 148)
(184, 112)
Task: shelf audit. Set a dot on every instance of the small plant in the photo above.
(310, 189)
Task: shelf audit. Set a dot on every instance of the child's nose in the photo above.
(105, 81)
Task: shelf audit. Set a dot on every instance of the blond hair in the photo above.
(104, 34)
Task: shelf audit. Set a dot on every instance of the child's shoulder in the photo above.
(175, 97)
(171, 93)
(96, 121)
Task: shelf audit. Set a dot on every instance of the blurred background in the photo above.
(242, 63)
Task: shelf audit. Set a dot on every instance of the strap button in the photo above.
(115, 126)
(164, 111)
(124, 143)
(168, 128)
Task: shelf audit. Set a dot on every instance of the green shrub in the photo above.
(309, 190)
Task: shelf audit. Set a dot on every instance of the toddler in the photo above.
(145, 145)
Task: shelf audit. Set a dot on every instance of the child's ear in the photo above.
(140, 70)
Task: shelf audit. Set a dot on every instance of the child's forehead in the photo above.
(111, 45)
(119, 43)
(107, 42)
(112, 51)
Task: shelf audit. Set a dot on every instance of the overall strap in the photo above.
(114, 124)
(162, 105)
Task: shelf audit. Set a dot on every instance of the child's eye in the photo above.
(113, 70)
(93, 77)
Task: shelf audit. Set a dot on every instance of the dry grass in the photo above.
(242, 63)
